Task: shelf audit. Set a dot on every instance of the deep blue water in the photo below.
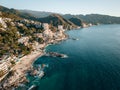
(93, 62)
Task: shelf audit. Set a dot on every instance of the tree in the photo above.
(40, 40)
(2, 73)
(1, 25)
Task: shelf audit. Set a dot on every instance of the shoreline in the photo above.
(24, 65)
(20, 70)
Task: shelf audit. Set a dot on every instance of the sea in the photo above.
(93, 61)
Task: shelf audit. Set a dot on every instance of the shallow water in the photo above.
(93, 62)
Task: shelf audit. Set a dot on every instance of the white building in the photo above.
(8, 19)
(34, 45)
(58, 34)
(12, 23)
(48, 33)
(3, 23)
(60, 27)
(40, 35)
(32, 22)
(45, 26)
(84, 25)
(20, 24)
(4, 67)
(23, 40)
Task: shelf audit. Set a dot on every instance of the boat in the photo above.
(75, 39)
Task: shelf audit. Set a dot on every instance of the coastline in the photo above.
(24, 64)
(20, 70)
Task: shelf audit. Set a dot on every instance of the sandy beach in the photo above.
(26, 61)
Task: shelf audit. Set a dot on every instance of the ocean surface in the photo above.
(93, 61)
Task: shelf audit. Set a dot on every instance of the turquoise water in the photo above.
(93, 62)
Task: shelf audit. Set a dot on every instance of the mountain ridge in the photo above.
(88, 18)
(55, 18)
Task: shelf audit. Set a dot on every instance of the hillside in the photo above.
(102, 19)
(13, 28)
(95, 18)
(46, 16)
(89, 18)
(76, 21)
(56, 20)
(17, 13)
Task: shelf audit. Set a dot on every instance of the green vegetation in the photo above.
(9, 41)
(12, 62)
(2, 73)
(24, 49)
(95, 18)
(11, 73)
(9, 37)
(1, 26)
(76, 21)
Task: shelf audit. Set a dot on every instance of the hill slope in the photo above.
(17, 13)
(95, 18)
(56, 20)
(76, 21)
